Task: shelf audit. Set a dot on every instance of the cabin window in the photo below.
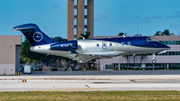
(122, 43)
(97, 45)
(116, 44)
(129, 43)
(110, 44)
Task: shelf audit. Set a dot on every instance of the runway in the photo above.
(37, 82)
(125, 72)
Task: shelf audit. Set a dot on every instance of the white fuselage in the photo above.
(85, 50)
(96, 48)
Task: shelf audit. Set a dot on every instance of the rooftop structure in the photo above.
(80, 17)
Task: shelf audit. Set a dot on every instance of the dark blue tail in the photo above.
(34, 34)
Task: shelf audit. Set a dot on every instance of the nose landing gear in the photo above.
(153, 60)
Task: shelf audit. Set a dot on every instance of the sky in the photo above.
(111, 17)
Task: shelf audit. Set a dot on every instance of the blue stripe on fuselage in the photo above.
(140, 41)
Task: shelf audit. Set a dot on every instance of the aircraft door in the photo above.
(104, 45)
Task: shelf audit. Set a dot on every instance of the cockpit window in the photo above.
(151, 39)
(154, 39)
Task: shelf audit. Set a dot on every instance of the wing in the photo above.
(134, 67)
(82, 58)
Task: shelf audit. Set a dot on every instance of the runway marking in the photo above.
(56, 79)
(133, 80)
(69, 89)
(68, 79)
(148, 81)
(24, 80)
(142, 81)
(35, 79)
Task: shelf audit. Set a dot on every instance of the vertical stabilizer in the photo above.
(34, 34)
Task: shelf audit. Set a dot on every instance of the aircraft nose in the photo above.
(32, 48)
(165, 46)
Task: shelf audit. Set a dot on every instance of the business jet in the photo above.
(85, 50)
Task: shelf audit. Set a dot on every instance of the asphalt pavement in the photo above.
(92, 81)
(125, 72)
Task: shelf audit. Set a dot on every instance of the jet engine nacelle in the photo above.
(64, 46)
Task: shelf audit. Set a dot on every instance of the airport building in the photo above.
(10, 54)
(168, 60)
(80, 18)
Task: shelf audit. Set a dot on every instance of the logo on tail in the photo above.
(37, 36)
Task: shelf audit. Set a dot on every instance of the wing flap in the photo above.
(84, 58)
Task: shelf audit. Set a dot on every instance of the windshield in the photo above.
(154, 39)
(151, 39)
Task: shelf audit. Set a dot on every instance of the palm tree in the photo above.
(85, 36)
(158, 33)
(142, 56)
(122, 34)
(127, 56)
(134, 56)
(58, 37)
(138, 35)
(127, 60)
(166, 32)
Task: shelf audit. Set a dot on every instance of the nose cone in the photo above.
(167, 47)
(163, 46)
(32, 48)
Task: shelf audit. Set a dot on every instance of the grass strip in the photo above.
(91, 95)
